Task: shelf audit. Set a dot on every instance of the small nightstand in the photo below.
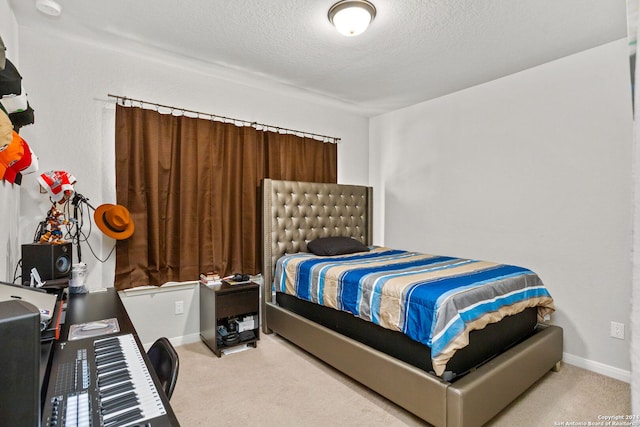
(226, 310)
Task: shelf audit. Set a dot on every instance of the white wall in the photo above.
(9, 194)
(533, 169)
(635, 292)
(153, 313)
(69, 82)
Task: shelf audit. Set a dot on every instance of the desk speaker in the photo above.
(20, 355)
(51, 261)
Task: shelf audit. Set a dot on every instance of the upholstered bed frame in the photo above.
(297, 212)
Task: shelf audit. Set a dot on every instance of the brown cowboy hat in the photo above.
(114, 221)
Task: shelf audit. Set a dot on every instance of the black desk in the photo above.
(83, 308)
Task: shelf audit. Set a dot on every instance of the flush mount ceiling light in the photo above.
(352, 17)
(49, 7)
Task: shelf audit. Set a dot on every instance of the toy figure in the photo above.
(54, 221)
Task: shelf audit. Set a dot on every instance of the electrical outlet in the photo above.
(617, 330)
(179, 307)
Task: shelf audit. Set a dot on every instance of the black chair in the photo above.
(164, 360)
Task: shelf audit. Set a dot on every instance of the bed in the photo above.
(468, 389)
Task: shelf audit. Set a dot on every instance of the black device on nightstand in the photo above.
(229, 315)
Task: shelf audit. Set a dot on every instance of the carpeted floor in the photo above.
(277, 384)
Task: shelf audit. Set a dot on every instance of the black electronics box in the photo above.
(20, 355)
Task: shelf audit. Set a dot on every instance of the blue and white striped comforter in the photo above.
(436, 300)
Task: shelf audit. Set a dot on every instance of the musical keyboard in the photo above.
(102, 381)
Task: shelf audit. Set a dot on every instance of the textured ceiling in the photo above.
(414, 50)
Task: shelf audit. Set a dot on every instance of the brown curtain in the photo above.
(300, 159)
(191, 186)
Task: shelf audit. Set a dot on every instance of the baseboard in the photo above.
(176, 341)
(597, 367)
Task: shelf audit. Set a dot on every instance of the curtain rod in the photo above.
(263, 127)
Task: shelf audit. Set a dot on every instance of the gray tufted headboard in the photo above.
(294, 213)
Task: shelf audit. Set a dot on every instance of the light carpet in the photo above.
(278, 384)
